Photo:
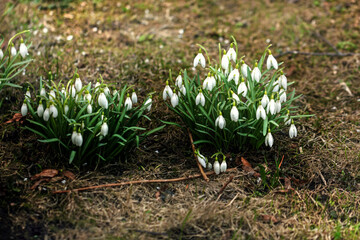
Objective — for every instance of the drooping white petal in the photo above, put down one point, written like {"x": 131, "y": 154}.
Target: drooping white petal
{"x": 167, "y": 93}
{"x": 256, "y": 74}
{"x": 216, "y": 167}
{"x": 13, "y": 51}
{"x": 73, "y": 137}
{"x": 43, "y": 92}
{"x": 53, "y": 111}
{"x": 178, "y": 81}
{"x": 292, "y": 131}
{"x": 1, "y": 54}
{"x": 271, "y": 62}
{"x": 234, "y": 114}
{"x": 277, "y": 106}
{"x": 234, "y": 75}
{"x": 223, "y": 166}
{"x": 89, "y": 108}
{"x": 235, "y": 97}
{"x": 46, "y": 115}
{"x": 265, "y": 100}
{"x": 225, "y": 62}
{"x": 174, "y": 100}
{"x": 202, "y": 159}
{"x": 24, "y": 109}
{"x": 269, "y": 140}
{"x": 128, "y": 103}
{"x": 102, "y": 100}
{"x": 242, "y": 89}
{"x": 104, "y": 129}
{"x": 23, "y": 50}
{"x": 232, "y": 54}
{"x": 66, "y": 109}
{"x": 148, "y": 101}
{"x": 271, "y": 107}
{"x": 220, "y": 122}
{"x": 244, "y": 70}
{"x": 78, "y": 84}
{"x": 282, "y": 95}
{"x": 40, "y": 110}
{"x": 260, "y": 112}
{"x": 199, "y": 59}
{"x": 283, "y": 81}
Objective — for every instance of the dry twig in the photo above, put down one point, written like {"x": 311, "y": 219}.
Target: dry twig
{"x": 196, "y": 159}
{"x": 225, "y": 185}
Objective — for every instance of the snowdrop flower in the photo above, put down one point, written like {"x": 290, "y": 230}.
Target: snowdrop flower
{"x": 282, "y": 95}
{"x": 148, "y": 101}
{"x": 183, "y": 90}
{"x": 242, "y": 89}
{"x": 46, "y": 115}
{"x": 271, "y": 61}
{"x": 72, "y": 91}
{"x": 178, "y": 81}
{"x": 223, "y": 166}
{"x": 220, "y": 121}
{"x": 276, "y": 86}
{"x": 292, "y": 130}
{"x": 283, "y": 80}
{"x": 235, "y": 97}
{"x": 13, "y": 50}
{"x": 232, "y": 53}
{"x": 73, "y": 135}
{"x": 234, "y": 75}
{"x": 106, "y": 90}
{"x": 63, "y": 91}
{"x": 200, "y": 98}
{"x": 66, "y": 109}
{"x": 52, "y": 94}
{"x": 265, "y": 100}
{"x": 78, "y": 139}
{"x": 128, "y": 103}
{"x": 174, "y": 99}
{"x": 134, "y": 98}
{"x": 260, "y": 112}
{"x": 97, "y": 85}
{"x": 225, "y": 61}
{"x": 216, "y": 167}
{"x": 199, "y": 59}
{"x": 1, "y": 54}
{"x": 28, "y": 94}
{"x": 40, "y": 109}
{"x": 244, "y": 69}
{"x": 287, "y": 119}
{"x": 89, "y": 108}
{"x": 167, "y": 93}
{"x": 43, "y": 92}
{"x": 102, "y": 100}
{"x": 24, "y": 109}
{"x": 23, "y": 49}
{"x": 269, "y": 140}
{"x": 88, "y": 96}
{"x": 104, "y": 129}
{"x": 78, "y": 83}
{"x": 234, "y": 113}
{"x": 53, "y": 111}
{"x": 277, "y": 105}
{"x": 209, "y": 82}
{"x": 209, "y": 166}
{"x": 256, "y": 74}
{"x": 202, "y": 159}
{"x": 271, "y": 107}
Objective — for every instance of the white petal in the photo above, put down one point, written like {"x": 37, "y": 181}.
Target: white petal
{"x": 216, "y": 167}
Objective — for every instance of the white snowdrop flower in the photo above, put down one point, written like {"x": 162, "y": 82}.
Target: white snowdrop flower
{"x": 276, "y": 86}
{"x": 72, "y": 91}
{"x": 206, "y": 82}
{"x": 202, "y": 159}
{"x": 235, "y": 97}
{"x": 208, "y": 166}
{"x": 66, "y": 109}
{"x": 225, "y": 61}
{"x": 287, "y": 119}
{"x": 269, "y": 140}
{"x": 220, "y": 121}
{"x": 216, "y": 167}
{"x": 292, "y": 130}
{"x": 134, "y": 97}
{"x": 88, "y": 96}
{"x": 73, "y": 136}
{"x": 40, "y": 109}
{"x": 23, "y": 49}
{"x": 212, "y": 83}
{"x": 24, "y": 109}
{"x": 89, "y": 108}
{"x": 242, "y": 89}
{"x": 78, "y": 139}
{"x": 183, "y": 90}
{"x": 174, "y": 99}
{"x": 234, "y": 75}
{"x": 97, "y": 85}
{"x": 278, "y": 105}
{"x": 199, "y": 59}
{"x": 178, "y": 81}
{"x": 128, "y": 103}
{"x": 200, "y": 99}
{"x": 223, "y": 166}
{"x": 265, "y": 100}
{"x": 52, "y": 94}
{"x": 102, "y": 100}
{"x": 106, "y": 90}
{"x": 78, "y": 84}
{"x": 232, "y": 53}
{"x": 13, "y": 50}
{"x": 271, "y": 61}
{"x": 104, "y": 129}
{"x": 28, "y": 94}
{"x": 46, "y": 115}
{"x": 1, "y": 54}
{"x": 43, "y": 92}
{"x": 282, "y": 95}
{"x": 53, "y": 111}
{"x": 271, "y": 106}
{"x": 244, "y": 69}
{"x": 63, "y": 91}
{"x": 148, "y": 101}
{"x": 283, "y": 81}
{"x": 256, "y": 74}
{"x": 234, "y": 114}
{"x": 260, "y": 112}
{"x": 167, "y": 93}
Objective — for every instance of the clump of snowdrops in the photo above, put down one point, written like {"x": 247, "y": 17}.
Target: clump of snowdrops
{"x": 13, "y": 61}
{"x": 87, "y": 123}
{"x": 238, "y": 104}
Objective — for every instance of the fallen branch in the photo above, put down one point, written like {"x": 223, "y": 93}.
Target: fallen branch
{"x": 196, "y": 159}
{"x": 141, "y": 181}
{"x": 225, "y": 185}
{"x": 328, "y": 54}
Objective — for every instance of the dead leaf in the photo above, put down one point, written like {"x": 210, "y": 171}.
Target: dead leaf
{"x": 37, "y": 183}
{"x": 69, "y": 175}
{"x": 247, "y": 168}
{"x": 46, "y": 173}
{"x": 16, "y": 118}
{"x": 245, "y": 162}
{"x": 157, "y": 195}
{"x": 269, "y": 218}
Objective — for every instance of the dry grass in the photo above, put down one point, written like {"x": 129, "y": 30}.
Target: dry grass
{"x": 138, "y": 47}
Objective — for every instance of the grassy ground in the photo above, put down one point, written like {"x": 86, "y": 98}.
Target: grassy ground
{"x": 138, "y": 42}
